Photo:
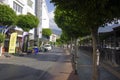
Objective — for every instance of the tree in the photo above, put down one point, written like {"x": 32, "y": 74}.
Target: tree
{"x": 69, "y": 23}
{"x": 27, "y": 22}
{"x": 71, "y": 29}
{"x": 92, "y": 14}
{"x": 7, "y": 16}
{"x": 46, "y": 32}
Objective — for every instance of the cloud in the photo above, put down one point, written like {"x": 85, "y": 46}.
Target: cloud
{"x": 53, "y": 25}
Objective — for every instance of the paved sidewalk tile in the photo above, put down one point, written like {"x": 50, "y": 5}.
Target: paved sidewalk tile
{"x": 85, "y": 69}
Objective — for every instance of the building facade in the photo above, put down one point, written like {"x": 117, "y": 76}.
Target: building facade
{"x": 42, "y": 14}
{"x": 20, "y": 7}
{"x": 45, "y": 17}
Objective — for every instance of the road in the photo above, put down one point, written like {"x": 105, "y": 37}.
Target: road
{"x": 43, "y": 66}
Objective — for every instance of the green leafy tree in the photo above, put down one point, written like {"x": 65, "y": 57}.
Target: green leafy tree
{"x": 27, "y": 22}
{"x": 59, "y": 42}
{"x": 92, "y": 14}
{"x": 46, "y": 32}
{"x": 7, "y": 16}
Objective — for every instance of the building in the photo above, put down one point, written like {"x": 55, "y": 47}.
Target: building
{"x": 45, "y": 17}
{"x": 20, "y": 7}
{"x": 42, "y": 14}
{"x": 53, "y": 38}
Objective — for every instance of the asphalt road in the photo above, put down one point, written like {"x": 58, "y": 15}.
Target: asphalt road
{"x": 32, "y": 67}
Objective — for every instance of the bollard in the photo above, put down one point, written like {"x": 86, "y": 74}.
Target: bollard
{"x": 98, "y": 57}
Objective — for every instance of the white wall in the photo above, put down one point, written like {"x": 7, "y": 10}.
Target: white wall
{"x": 45, "y": 18}
{"x": 53, "y": 38}
{"x": 23, "y": 4}
{"x": 25, "y": 8}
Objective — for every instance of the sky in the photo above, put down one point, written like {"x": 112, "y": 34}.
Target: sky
{"x": 51, "y": 9}
{"x": 50, "y": 6}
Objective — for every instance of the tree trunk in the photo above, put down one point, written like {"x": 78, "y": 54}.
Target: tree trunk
{"x": 94, "y": 38}
{"x": 76, "y": 51}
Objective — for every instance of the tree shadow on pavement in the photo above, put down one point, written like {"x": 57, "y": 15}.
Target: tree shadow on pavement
{"x": 20, "y": 72}
{"x": 54, "y": 57}
{"x": 73, "y": 76}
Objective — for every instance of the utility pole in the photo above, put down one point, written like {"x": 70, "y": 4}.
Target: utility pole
{"x": 38, "y": 30}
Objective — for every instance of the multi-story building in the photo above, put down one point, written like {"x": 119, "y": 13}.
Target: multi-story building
{"x": 45, "y": 18}
{"x": 21, "y": 7}
{"x": 29, "y": 6}
{"x": 42, "y": 14}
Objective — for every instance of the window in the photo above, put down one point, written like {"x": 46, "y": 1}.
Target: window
{"x": 17, "y": 7}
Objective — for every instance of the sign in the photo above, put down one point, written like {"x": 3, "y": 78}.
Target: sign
{"x": 12, "y": 43}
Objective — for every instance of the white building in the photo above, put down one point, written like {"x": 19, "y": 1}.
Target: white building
{"x": 54, "y": 37}
{"x": 28, "y": 6}
{"x": 45, "y": 17}
{"x": 21, "y": 7}
{"x": 42, "y": 14}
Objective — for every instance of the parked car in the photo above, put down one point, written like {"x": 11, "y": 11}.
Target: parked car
{"x": 48, "y": 47}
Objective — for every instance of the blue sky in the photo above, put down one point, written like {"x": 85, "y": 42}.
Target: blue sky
{"x": 50, "y": 6}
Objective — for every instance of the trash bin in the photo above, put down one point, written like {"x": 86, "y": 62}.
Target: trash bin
{"x": 36, "y": 50}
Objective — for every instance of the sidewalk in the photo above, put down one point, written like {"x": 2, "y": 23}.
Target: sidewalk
{"x": 66, "y": 71}
{"x": 85, "y": 68}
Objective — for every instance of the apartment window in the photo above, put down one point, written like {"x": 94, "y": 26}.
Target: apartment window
{"x": 30, "y": 3}
{"x": 17, "y": 7}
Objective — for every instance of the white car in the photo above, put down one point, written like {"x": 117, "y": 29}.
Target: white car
{"x": 47, "y": 47}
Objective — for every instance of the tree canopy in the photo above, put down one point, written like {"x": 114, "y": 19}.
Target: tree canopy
{"x": 69, "y": 23}
{"x": 46, "y": 32}
{"x": 7, "y": 15}
{"x": 90, "y": 14}
{"x": 27, "y": 22}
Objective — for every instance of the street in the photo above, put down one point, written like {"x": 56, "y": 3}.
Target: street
{"x": 52, "y": 65}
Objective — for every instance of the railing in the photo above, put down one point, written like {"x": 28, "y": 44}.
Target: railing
{"x": 110, "y": 55}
